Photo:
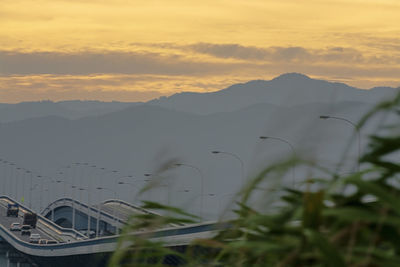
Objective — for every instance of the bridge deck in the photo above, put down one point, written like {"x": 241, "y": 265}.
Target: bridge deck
{"x": 172, "y": 236}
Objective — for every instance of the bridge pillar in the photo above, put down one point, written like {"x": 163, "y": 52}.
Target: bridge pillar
{"x": 73, "y": 215}
{"x": 16, "y": 259}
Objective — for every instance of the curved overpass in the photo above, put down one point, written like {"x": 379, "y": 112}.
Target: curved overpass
{"x": 71, "y": 213}
{"x": 74, "y": 243}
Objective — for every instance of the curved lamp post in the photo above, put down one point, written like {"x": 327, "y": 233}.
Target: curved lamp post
{"x": 51, "y": 180}
{"x": 220, "y": 198}
{"x": 73, "y": 206}
{"x": 168, "y": 185}
{"x": 30, "y": 188}
{"x": 291, "y": 147}
{"x": 16, "y": 181}
{"x": 72, "y": 197}
{"x": 132, "y": 185}
{"x": 99, "y": 209}
{"x": 236, "y": 157}
{"x": 202, "y": 183}
{"x": 89, "y": 210}
{"x": 326, "y": 117}
{"x": 118, "y": 179}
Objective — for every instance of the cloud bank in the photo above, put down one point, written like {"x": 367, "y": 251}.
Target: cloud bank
{"x": 152, "y": 70}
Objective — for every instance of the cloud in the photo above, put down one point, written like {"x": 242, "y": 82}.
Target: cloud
{"x": 200, "y": 59}
{"x": 152, "y": 70}
{"x": 281, "y": 54}
{"x": 106, "y": 87}
{"x": 229, "y": 50}
{"x": 85, "y": 63}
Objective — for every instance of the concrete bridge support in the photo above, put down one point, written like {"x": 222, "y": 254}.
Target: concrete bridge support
{"x": 12, "y": 258}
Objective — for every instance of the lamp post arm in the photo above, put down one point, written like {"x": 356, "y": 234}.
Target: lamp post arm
{"x": 357, "y": 130}
{"x": 241, "y": 163}
{"x": 202, "y": 184}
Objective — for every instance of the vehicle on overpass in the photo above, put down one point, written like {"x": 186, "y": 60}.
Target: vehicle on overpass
{"x": 16, "y": 226}
{"x": 30, "y": 219}
{"x": 25, "y": 229}
{"x": 34, "y": 238}
{"x": 12, "y": 210}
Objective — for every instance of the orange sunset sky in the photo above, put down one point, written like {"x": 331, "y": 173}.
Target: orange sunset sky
{"x": 140, "y": 49}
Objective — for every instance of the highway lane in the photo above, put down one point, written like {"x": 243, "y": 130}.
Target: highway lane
{"x": 117, "y": 210}
{"x": 174, "y": 235}
{"x": 6, "y": 222}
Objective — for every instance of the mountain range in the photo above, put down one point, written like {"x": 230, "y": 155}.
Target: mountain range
{"x": 138, "y": 138}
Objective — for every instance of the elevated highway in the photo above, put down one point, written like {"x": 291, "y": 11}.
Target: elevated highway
{"x": 72, "y": 242}
{"x": 111, "y": 214}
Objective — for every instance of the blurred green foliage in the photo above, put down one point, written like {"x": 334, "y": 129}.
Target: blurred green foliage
{"x": 351, "y": 220}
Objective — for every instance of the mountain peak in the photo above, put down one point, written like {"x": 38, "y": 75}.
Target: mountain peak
{"x": 291, "y": 76}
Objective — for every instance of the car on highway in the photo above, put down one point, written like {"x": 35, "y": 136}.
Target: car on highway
{"x": 34, "y": 238}
{"x": 15, "y": 226}
{"x": 25, "y": 229}
{"x": 12, "y": 210}
{"x": 42, "y": 242}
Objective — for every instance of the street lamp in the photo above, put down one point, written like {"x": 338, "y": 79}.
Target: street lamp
{"x": 16, "y": 182}
{"x": 73, "y": 205}
{"x": 99, "y": 209}
{"x": 132, "y": 185}
{"x": 4, "y": 175}
{"x": 105, "y": 171}
{"x": 30, "y": 187}
{"x": 202, "y": 183}
{"x": 325, "y": 117}
{"x": 11, "y": 176}
{"x": 63, "y": 172}
{"x": 49, "y": 192}
{"x": 236, "y": 157}
{"x": 89, "y": 209}
{"x": 291, "y": 147}
{"x": 72, "y": 197}
{"x": 222, "y": 198}
{"x": 117, "y": 180}
{"x": 168, "y": 185}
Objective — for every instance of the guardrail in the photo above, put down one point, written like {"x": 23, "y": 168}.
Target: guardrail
{"x": 63, "y": 231}
{"x": 83, "y": 208}
{"x": 172, "y": 236}
{"x": 59, "y": 202}
{"x": 121, "y": 202}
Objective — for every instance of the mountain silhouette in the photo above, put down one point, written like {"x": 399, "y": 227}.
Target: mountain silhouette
{"x": 286, "y": 90}
{"x": 138, "y": 138}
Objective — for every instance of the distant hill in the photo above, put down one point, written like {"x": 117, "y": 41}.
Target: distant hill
{"x": 286, "y": 90}
{"x": 67, "y": 109}
{"x": 289, "y": 89}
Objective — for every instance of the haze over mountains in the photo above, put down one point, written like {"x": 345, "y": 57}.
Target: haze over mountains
{"x": 286, "y": 90}
{"x": 136, "y": 138}
{"x": 66, "y": 109}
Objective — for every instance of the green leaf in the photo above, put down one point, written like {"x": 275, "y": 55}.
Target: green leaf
{"x": 375, "y": 189}
{"x": 331, "y": 256}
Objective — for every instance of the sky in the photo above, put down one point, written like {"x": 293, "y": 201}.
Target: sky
{"x": 136, "y": 50}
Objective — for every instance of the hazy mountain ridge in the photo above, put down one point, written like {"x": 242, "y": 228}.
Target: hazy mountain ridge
{"x": 67, "y": 109}
{"x": 286, "y": 90}
{"x": 137, "y": 139}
